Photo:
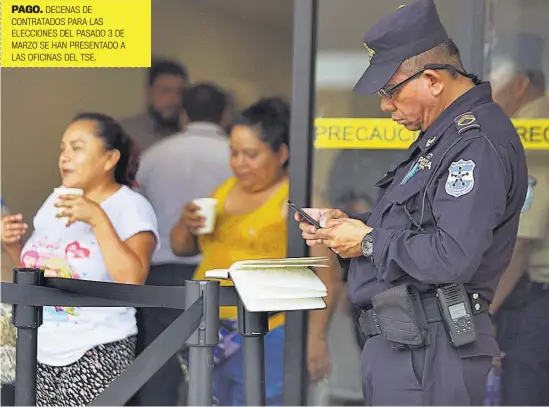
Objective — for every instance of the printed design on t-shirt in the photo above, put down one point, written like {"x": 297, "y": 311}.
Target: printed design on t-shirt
{"x": 46, "y": 256}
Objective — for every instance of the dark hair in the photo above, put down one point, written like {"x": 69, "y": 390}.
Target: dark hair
{"x": 204, "y": 102}
{"x": 115, "y": 138}
{"x": 166, "y": 67}
{"x": 537, "y": 79}
{"x": 272, "y": 117}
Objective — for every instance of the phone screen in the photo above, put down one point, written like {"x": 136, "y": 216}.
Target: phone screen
{"x": 305, "y": 216}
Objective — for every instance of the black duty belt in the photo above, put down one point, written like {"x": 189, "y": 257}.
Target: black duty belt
{"x": 370, "y": 327}
{"x": 539, "y": 286}
{"x": 528, "y": 284}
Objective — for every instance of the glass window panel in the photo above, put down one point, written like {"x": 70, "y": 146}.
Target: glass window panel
{"x": 517, "y": 62}
{"x": 345, "y": 177}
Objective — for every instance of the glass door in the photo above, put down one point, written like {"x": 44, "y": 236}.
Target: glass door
{"x": 342, "y": 143}
{"x": 356, "y": 143}
{"x": 516, "y": 61}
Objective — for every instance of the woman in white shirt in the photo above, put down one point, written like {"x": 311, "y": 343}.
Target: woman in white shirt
{"x": 107, "y": 234}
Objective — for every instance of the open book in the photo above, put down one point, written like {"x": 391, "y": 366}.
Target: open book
{"x": 277, "y": 284}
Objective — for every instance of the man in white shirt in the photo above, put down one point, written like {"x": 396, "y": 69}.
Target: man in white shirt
{"x": 174, "y": 171}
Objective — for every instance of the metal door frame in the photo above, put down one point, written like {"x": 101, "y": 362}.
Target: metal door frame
{"x": 301, "y": 147}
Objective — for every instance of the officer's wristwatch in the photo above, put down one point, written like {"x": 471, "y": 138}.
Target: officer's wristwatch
{"x": 367, "y": 245}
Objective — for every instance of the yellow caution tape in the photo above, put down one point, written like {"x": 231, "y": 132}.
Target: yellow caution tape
{"x": 534, "y": 133}
{"x": 385, "y": 134}
{"x": 340, "y": 133}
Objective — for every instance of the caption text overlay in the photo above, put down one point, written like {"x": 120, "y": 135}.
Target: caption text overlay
{"x": 76, "y": 33}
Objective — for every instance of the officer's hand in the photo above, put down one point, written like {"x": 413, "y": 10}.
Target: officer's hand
{"x": 321, "y": 216}
{"x": 496, "y": 360}
{"x": 344, "y": 236}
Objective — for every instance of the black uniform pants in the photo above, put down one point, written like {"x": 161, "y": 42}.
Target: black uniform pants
{"x": 523, "y": 332}
{"x": 164, "y": 387}
{"x": 436, "y": 374}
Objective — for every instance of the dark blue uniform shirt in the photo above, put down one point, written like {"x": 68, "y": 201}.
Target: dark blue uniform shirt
{"x": 450, "y": 212}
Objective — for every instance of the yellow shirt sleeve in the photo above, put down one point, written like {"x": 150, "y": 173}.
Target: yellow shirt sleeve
{"x": 534, "y": 219}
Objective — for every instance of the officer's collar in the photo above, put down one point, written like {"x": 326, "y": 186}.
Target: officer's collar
{"x": 478, "y": 95}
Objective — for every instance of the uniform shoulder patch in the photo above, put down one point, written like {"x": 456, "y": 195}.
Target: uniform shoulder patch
{"x": 461, "y": 179}
{"x": 466, "y": 121}
{"x": 529, "y": 194}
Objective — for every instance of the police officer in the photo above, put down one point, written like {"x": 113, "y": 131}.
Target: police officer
{"x": 446, "y": 218}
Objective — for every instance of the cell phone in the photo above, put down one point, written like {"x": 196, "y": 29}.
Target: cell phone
{"x": 305, "y": 215}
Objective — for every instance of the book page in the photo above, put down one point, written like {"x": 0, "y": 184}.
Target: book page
{"x": 291, "y": 261}
{"x": 293, "y": 304}
{"x": 276, "y": 284}
{"x": 275, "y": 266}
{"x": 218, "y": 273}
{"x": 297, "y": 277}
{"x": 253, "y": 290}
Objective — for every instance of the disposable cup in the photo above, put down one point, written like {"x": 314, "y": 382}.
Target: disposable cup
{"x": 207, "y": 210}
{"x": 66, "y": 191}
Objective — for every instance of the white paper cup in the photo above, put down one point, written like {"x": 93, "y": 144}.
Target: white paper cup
{"x": 66, "y": 191}
{"x": 207, "y": 210}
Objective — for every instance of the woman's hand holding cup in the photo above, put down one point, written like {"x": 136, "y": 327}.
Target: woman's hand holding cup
{"x": 191, "y": 218}
{"x": 199, "y": 216}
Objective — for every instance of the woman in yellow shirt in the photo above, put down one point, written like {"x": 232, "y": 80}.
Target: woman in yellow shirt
{"x": 251, "y": 223}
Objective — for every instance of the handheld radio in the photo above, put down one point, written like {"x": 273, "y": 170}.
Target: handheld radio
{"x": 457, "y": 316}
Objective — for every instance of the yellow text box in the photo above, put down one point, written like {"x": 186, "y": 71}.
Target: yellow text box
{"x": 76, "y": 33}
{"x": 385, "y": 134}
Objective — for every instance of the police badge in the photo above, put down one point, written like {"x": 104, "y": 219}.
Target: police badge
{"x": 460, "y": 179}
{"x": 371, "y": 52}
{"x": 529, "y": 194}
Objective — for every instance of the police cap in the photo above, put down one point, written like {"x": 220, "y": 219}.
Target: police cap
{"x": 405, "y": 33}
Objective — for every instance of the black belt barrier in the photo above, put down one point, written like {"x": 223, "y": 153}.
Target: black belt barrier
{"x": 197, "y": 327}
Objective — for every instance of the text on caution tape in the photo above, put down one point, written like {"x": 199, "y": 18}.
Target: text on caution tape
{"x": 385, "y": 134}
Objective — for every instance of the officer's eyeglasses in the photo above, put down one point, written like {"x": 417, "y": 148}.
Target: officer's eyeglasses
{"x": 388, "y": 93}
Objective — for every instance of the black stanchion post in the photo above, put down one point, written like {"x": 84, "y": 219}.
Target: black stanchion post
{"x": 253, "y": 326}
{"x": 26, "y": 319}
{"x": 202, "y": 342}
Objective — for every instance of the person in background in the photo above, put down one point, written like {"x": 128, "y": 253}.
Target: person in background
{"x": 351, "y": 188}
{"x": 251, "y": 223}
{"x": 517, "y": 76}
{"x": 107, "y": 234}
{"x": 232, "y": 111}
{"x": 521, "y": 301}
{"x": 166, "y": 81}
{"x": 174, "y": 171}
{"x": 353, "y": 175}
